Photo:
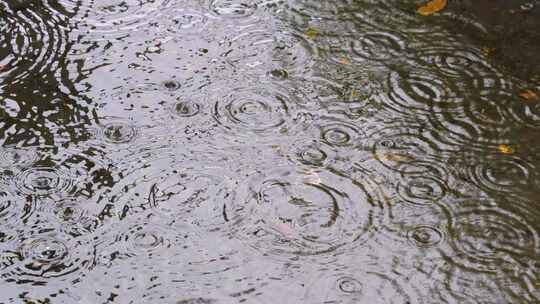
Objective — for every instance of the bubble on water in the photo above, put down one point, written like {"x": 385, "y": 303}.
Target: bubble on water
{"x": 278, "y": 74}
{"x": 116, "y": 131}
{"x": 186, "y": 108}
{"x": 349, "y": 285}
{"x": 233, "y": 8}
{"x": 425, "y": 236}
{"x": 170, "y": 85}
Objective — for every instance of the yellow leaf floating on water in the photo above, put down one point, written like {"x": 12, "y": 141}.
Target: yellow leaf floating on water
{"x": 506, "y": 149}
{"x": 312, "y": 33}
{"x": 344, "y": 61}
{"x": 488, "y": 51}
{"x": 431, "y": 7}
{"x": 528, "y": 95}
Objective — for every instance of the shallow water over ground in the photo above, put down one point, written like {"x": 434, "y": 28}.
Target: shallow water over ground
{"x": 295, "y": 151}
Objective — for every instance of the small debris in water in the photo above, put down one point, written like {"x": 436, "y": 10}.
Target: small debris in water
{"x": 431, "y": 7}
{"x": 528, "y": 95}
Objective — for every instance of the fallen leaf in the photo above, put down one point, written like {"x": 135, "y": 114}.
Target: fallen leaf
{"x": 528, "y": 95}
{"x": 488, "y": 51}
{"x": 431, "y": 7}
{"x": 312, "y": 33}
{"x": 344, "y": 61}
{"x": 506, "y": 149}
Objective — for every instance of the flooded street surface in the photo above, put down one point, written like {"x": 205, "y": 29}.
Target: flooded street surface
{"x": 294, "y": 151}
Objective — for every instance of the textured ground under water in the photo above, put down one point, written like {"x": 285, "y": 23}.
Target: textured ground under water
{"x": 294, "y": 151}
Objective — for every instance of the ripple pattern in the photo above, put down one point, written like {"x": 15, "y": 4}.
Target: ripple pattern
{"x": 13, "y": 158}
{"x": 50, "y": 257}
{"x": 304, "y": 213}
{"x": 489, "y": 238}
{"x": 116, "y": 131}
{"x": 255, "y": 110}
{"x": 43, "y": 181}
{"x": 32, "y": 40}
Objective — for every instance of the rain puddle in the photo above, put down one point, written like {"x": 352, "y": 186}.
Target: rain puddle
{"x": 292, "y": 151}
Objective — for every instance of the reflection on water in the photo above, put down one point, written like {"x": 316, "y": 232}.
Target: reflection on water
{"x": 229, "y": 151}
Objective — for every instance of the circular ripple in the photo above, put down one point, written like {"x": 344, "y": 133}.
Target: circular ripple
{"x": 145, "y": 235}
{"x": 186, "y": 108}
{"x": 303, "y": 213}
{"x": 378, "y": 46}
{"x": 488, "y": 237}
{"x": 181, "y": 21}
{"x": 117, "y": 18}
{"x": 279, "y": 52}
{"x": 258, "y": 110}
{"x": 502, "y": 174}
{"x": 410, "y": 150}
{"x": 425, "y": 236}
{"x": 341, "y": 134}
{"x": 422, "y": 91}
{"x": 362, "y": 286}
{"x": 32, "y": 39}
{"x": 233, "y": 8}
{"x": 349, "y": 285}
{"x": 73, "y": 214}
{"x": 44, "y": 250}
{"x": 422, "y": 190}
{"x": 116, "y": 131}
{"x": 42, "y": 257}
{"x": 13, "y": 157}
{"x": 137, "y": 239}
{"x": 43, "y": 181}
{"x": 313, "y": 153}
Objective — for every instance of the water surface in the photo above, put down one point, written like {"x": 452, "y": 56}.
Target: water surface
{"x": 294, "y": 151}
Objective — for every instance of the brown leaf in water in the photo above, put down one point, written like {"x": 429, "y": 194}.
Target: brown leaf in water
{"x": 344, "y": 61}
{"x": 431, "y": 7}
{"x": 488, "y": 51}
{"x": 528, "y": 95}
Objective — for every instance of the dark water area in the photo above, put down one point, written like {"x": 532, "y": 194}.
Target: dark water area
{"x": 295, "y": 151}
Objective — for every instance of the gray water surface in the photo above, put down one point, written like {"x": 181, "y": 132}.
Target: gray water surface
{"x": 294, "y": 151}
